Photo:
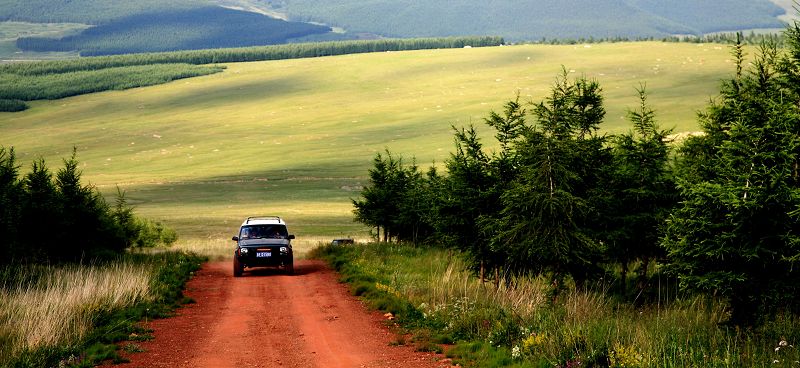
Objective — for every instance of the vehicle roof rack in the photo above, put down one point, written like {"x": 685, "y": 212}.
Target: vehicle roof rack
{"x": 262, "y": 218}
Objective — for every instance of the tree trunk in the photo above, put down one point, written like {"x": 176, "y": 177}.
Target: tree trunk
{"x": 483, "y": 272}
{"x": 624, "y": 277}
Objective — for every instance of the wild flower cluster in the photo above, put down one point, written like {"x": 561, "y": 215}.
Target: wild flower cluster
{"x": 626, "y": 356}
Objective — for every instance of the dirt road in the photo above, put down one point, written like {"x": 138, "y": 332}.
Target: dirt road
{"x": 268, "y": 319}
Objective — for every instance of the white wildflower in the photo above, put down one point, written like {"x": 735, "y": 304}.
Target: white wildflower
{"x": 515, "y": 353}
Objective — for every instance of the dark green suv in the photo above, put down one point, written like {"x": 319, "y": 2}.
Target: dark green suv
{"x": 263, "y": 242}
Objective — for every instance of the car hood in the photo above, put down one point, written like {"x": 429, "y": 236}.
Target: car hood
{"x": 264, "y": 241}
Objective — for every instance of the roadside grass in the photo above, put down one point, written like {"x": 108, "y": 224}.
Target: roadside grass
{"x": 75, "y": 314}
{"x": 296, "y": 137}
{"x": 524, "y": 324}
{"x": 218, "y": 248}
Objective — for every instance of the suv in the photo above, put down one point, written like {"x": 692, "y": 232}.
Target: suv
{"x": 263, "y": 242}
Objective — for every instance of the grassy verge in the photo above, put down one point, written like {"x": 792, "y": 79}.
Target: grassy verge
{"x": 524, "y": 324}
{"x": 73, "y": 315}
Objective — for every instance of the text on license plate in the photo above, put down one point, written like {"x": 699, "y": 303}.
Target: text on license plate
{"x": 263, "y": 254}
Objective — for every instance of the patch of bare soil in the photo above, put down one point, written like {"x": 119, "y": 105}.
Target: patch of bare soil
{"x": 268, "y": 319}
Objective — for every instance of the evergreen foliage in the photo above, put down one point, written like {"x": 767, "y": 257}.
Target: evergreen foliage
{"x": 59, "y": 85}
{"x": 7, "y": 105}
{"x": 245, "y": 54}
{"x": 395, "y": 200}
{"x": 545, "y": 220}
{"x": 736, "y": 232}
{"x": 640, "y": 191}
{"x": 46, "y": 217}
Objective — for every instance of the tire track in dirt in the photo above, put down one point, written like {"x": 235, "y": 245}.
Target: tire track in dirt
{"x": 268, "y": 319}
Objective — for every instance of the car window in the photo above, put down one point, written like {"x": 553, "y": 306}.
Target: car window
{"x": 263, "y": 231}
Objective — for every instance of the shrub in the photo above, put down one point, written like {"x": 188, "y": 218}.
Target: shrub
{"x": 7, "y": 105}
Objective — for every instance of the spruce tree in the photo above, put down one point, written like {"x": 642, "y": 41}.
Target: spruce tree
{"x": 640, "y": 191}
{"x": 545, "y": 219}
{"x": 736, "y": 230}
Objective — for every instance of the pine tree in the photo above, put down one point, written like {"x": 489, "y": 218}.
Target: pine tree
{"x": 10, "y": 196}
{"x": 544, "y": 222}
{"x": 641, "y": 191}
{"x": 737, "y": 227}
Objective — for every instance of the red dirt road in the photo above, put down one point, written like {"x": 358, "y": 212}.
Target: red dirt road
{"x": 268, "y": 319}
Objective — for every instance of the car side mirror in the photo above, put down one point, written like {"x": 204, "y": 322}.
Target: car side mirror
{"x": 235, "y": 238}
{"x": 291, "y": 236}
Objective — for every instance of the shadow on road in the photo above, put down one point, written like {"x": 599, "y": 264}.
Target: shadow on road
{"x": 299, "y": 270}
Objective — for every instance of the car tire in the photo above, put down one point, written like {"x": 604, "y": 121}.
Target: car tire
{"x": 290, "y": 267}
{"x": 238, "y": 269}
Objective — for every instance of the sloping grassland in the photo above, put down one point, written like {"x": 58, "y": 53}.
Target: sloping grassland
{"x": 296, "y": 137}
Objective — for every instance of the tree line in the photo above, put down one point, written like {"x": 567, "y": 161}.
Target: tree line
{"x": 245, "y": 54}
{"x": 718, "y": 211}
{"x": 21, "y": 82}
{"x": 53, "y": 217}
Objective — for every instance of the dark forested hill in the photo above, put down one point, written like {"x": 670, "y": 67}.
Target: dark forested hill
{"x": 125, "y": 26}
{"x": 535, "y": 19}
{"x": 86, "y": 11}
{"x": 130, "y": 26}
{"x": 187, "y": 29}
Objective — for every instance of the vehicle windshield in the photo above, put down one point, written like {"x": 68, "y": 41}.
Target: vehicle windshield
{"x": 263, "y": 231}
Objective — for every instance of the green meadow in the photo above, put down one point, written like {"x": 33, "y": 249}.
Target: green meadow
{"x": 295, "y": 138}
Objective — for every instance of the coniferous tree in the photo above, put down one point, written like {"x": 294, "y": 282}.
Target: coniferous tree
{"x": 736, "y": 229}
{"x": 641, "y": 191}
{"x": 10, "y": 195}
{"x": 544, "y": 219}
{"x": 466, "y": 198}
{"x": 41, "y": 208}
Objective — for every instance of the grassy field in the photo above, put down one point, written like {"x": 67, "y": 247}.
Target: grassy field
{"x": 296, "y": 137}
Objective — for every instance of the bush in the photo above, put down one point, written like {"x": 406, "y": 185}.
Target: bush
{"x": 7, "y": 105}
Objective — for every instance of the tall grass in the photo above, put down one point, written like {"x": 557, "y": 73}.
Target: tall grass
{"x": 523, "y": 322}
{"x": 49, "y": 306}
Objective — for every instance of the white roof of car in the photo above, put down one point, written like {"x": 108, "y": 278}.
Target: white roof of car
{"x": 263, "y": 220}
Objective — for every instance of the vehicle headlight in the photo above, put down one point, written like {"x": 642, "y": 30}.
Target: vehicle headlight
{"x": 242, "y": 250}
{"x": 284, "y": 250}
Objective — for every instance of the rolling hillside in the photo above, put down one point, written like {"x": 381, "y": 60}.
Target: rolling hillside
{"x": 149, "y": 25}
{"x": 189, "y": 29}
{"x": 533, "y": 20}
{"x": 296, "y": 137}
{"x": 122, "y": 27}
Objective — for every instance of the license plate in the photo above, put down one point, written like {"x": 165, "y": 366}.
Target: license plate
{"x": 263, "y": 254}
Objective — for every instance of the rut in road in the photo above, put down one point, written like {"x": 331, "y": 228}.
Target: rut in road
{"x": 268, "y": 319}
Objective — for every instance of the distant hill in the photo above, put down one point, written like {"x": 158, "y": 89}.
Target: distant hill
{"x": 171, "y": 30}
{"x": 535, "y": 19}
{"x": 125, "y": 26}
{"x": 132, "y": 26}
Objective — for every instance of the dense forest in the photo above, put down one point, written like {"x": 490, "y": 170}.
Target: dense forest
{"x": 86, "y": 11}
{"x": 193, "y": 29}
{"x": 718, "y": 211}
{"x": 532, "y": 20}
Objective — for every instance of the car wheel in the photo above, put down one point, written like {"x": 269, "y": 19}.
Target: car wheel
{"x": 290, "y": 267}
{"x": 238, "y": 269}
